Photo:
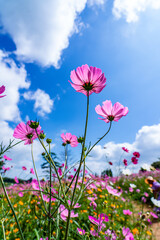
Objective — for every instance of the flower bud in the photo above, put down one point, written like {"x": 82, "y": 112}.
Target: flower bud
{"x": 42, "y": 135}
{"x": 80, "y": 139}
{"x": 34, "y": 124}
{"x": 48, "y": 140}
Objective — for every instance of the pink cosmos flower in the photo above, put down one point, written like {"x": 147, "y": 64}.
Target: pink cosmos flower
{"x": 138, "y": 190}
{"x": 146, "y": 194}
{"x": 68, "y": 138}
{"x": 131, "y": 189}
{"x": 6, "y": 169}
{"x": 32, "y": 171}
{"x": 60, "y": 171}
{"x": 144, "y": 199}
{"x": 127, "y": 212}
{"x": 7, "y": 158}
{"x": 20, "y": 194}
{"x": 64, "y": 213}
{"x": 2, "y": 89}
{"x": 127, "y": 234}
{"x": 25, "y": 132}
{"x": 99, "y": 222}
{"x": 134, "y": 160}
{"x": 113, "y": 191}
{"x": 125, "y": 162}
{"x": 16, "y": 180}
{"x": 125, "y": 149}
{"x": 88, "y": 79}
{"x": 136, "y": 154}
{"x": 24, "y": 168}
{"x": 80, "y": 231}
{"x": 110, "y": 113}
{"x": 153, "y": 215}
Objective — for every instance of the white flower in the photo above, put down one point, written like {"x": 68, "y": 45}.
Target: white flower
{"x": 155, "y": 202}
{"x": 146, "y": 167}
{"x": 126, "y": 172}
{"x": 132, "y": 185}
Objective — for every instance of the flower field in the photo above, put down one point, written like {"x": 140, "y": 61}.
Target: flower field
{"x": 75, "y": 204}
{"x": 105, "y": 211}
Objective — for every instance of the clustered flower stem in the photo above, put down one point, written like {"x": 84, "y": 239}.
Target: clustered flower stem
{"x": 10, "y": 204}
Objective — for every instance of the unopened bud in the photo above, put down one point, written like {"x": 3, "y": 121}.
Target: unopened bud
{"x": 34, "y": 124}
{"x": 42, "y": 135}
{"x": 48, "y": 140}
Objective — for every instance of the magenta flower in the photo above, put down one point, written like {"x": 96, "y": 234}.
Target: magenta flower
{"x": 146, "y": 194}
{"x": 125, "y": 162}
{"x": 125, "y": 149}
{"x": 127, "y": 212}
{"x": 69, "y": 139}
{"x": 24, "y": 168}
{"x": 6, "y": 169}
{"x": 99, "y": 222}
{"x": 64, "y": 213}
{"x": 138, "y": 190}
{"x": 144, "y": 199}
{"x": 131, "y": 189}
{"x": 80, "y": 231}
{"x": 127, "y": 234}
{"x": 88, "y": 79}
{"x": 2, "y": 89}
{"x": 110, "y": 113}
{"x": 60, "y": 171}
{"x": 20, "y": 194}
{"x": 134, "y": 160}
{"x": 16, "y": 180}
{"x": 136, "y": 154}
{"x": 31, "y": 171}
{"x": 113, "y": 191}
{"x": 25, "y": 132}
{"x": 153, "y": 215}
{"x": 7, "y": 158}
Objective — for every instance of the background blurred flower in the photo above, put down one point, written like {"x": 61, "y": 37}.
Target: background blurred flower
{"x": 68, "y": 138}
{"x": 2, "y": 89}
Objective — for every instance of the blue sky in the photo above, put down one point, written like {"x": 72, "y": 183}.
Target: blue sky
{"x": 41, "y": 43}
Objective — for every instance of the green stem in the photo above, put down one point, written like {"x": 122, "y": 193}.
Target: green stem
{"x": 3, "y": 230}
{"x": 10, "y": 204}
{"x": 99, "y": 140}
{"x": 55, "y": 169}
{"x": 37, "y": 178}
{"x": 78, "y": 171}
{"x": 49, "y": 210}
{"x": 9, "y": 147}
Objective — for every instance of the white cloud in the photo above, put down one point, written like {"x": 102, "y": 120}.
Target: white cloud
{"x": 147, "y": 142}
{"x": 41, "y": 29}
{"x": 13, "y": 78}
{"x": 131, "y": 9}
{"x": 96, "y": 2}
{"x": 43, "y": 103}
